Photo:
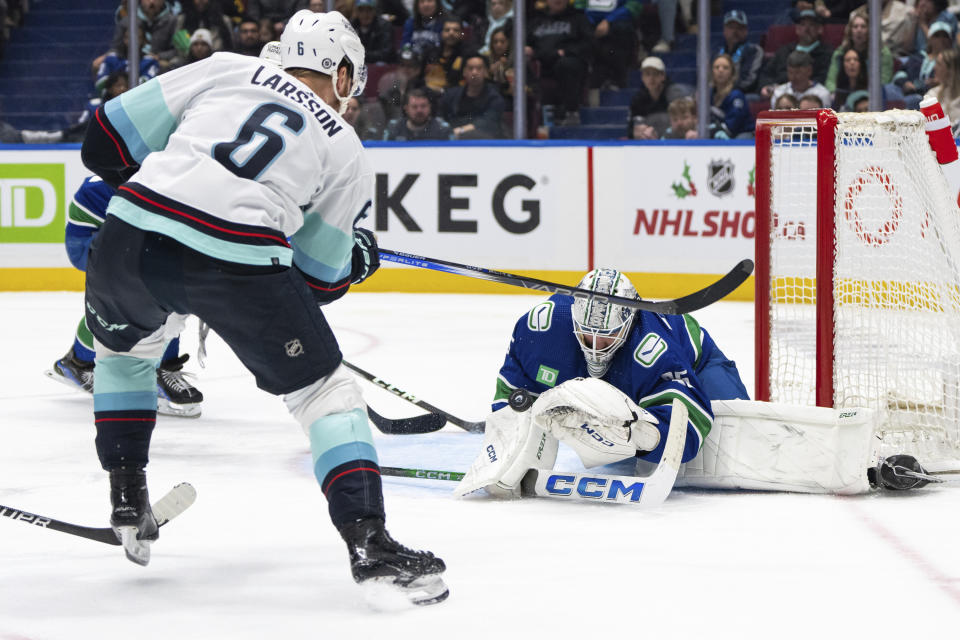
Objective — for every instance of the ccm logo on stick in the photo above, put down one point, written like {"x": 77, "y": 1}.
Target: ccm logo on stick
{"x": 606, "y": 489}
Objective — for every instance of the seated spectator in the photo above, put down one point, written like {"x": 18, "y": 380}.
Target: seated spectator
{"x": 853, "y": 78}
{"x": 499, "y": 15}
{"x": 836, "y": 11}
{"x": 201, "y": 46}
{"x": 248, "y": 41}
{"x": 800, "y": 79}
{"x": 810, "y": 101}
{"x": 895, "y": 26}
{"x": 110, "y": 86}
{"x": 116, "y": 61}
{"x": 809, "y": 27}
{"x": 446, "y": 69}
{"x": 650, "y": 127}
{"x": 375, "y": 33}
{"x": 317, "y": 6}
{"x": 683, "y": 120}
{"x": 346, "y": 8}
{"x": 417, "y": 122}
{"x": 393, "y": 86}
{"x": 207, "y": 14}
{"x": 728, "y": 103}
{"x": 394, "y": 12}
{"x": 924, "y": 14}
{"x": 856, "y": 36}
{"x": 474, "y": 109}
{"x": 501, "y": 66}
{"x": 857, "y": 102}
{"x": 946, "y": 74}
{"x": 615, "y": 39}
{"x": 561, "y": 40}
{"x": 915, "y": 78}
{"x": 159, "y": 26}
{"x": 786, "y": 102}
{"x": 421, "y": 33}
{"x": 356, "y": 117}
{"x": 272, "y": 15}
{"x": 746, "y": 56}
{"x": 651, "y": 96}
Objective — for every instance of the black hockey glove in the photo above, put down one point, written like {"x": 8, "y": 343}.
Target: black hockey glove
{"x": 366, "y": 255}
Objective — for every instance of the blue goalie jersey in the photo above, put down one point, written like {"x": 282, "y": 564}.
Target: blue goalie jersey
{"x": 665, "y": 357}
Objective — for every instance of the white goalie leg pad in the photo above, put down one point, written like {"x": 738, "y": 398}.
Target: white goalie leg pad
{"x": 777, "y": 447}
{"x": 511, "y": 447}
{"x": 597, "y": 420}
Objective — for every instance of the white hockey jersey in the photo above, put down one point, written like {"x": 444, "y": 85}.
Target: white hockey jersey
{"x": 244, "y": 163}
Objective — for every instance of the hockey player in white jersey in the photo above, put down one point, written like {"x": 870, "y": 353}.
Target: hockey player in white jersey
{"x": 239, "y": 193}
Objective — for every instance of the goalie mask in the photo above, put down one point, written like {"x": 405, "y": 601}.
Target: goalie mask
{"x": 601, "y": 326}
{"x": 323, "y": 42}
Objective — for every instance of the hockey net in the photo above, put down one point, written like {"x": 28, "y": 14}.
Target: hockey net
{"x": 858, "y": 286}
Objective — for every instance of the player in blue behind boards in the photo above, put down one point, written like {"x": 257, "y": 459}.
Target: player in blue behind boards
{"x": 648, "y": 359}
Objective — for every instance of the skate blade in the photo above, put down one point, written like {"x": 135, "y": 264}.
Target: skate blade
{"x": 138, "y": 551}
{"x": 386, "y": 595}
{"x": 167, "y": 408}
{"x": 62, "y": 379}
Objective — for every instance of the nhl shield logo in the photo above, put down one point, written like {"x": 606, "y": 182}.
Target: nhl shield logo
{"x": 293, "y": 348}
{"x": 720, "y": 177}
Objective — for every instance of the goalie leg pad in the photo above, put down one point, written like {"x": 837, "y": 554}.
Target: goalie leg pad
{"x": 511, "y": 447}
{"x": 597, "y": 420}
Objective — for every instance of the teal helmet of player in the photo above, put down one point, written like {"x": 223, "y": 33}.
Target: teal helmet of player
{"x": 324, "y": 42}
{"x": 601, "y": 326}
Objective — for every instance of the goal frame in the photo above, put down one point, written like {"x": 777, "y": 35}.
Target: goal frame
{"x": 826, "y": 124}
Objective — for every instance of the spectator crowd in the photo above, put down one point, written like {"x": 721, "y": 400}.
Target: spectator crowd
{"x": 444, "y": 69}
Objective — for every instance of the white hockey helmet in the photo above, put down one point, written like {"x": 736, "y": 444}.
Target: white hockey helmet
{"x": 271, "y": 52}
{"x": 323, "y": 42}
{"x": 599, "y": 318}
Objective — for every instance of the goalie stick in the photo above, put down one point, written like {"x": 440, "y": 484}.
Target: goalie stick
{"x": 165, "y": 509}
{"x": 432, "y": 421}
{"x": 685, "y": 304}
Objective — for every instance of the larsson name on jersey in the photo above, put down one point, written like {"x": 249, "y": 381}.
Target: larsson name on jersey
{"x": 299, "y": 96}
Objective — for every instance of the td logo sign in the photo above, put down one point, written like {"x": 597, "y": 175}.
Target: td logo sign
{"x": 32, "y": 202}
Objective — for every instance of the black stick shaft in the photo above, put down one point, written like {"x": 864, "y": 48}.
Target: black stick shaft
{"x": 472, "y": 427}
{"x": 685, "y": 304}
{"x": 104, "y": 534}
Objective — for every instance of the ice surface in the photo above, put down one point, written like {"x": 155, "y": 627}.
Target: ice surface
{"x": 256, "y": 556}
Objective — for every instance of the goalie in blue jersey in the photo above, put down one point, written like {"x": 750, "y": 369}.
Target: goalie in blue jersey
{"x": 601, "y": 378}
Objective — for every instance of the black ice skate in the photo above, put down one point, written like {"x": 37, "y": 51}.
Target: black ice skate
{"x": 375, "y": 557}
{"x": 175, "y": 395}
{"x": 132, "y": 517}
{"x": 72, "y": 372}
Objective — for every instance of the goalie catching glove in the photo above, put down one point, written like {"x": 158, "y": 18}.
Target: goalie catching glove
{"x": 597, "y": 420}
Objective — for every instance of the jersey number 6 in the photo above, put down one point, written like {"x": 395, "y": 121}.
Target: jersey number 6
{"x": 269, "y": 145}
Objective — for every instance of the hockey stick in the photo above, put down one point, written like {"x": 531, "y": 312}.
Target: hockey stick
{"x": 417, "y": 424}
{"x": 427, "y": 423}
{"x": 685, "y": 304}
{"x": 427, "y": 474}
{"x": 165, "y": 509}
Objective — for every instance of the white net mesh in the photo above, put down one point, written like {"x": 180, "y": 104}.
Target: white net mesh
{"x": 896, "y": 282}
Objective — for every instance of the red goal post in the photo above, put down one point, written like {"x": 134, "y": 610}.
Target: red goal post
{"x": 857, "y": 278}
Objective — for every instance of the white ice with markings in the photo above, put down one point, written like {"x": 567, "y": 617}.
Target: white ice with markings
{"x": 256, "y": 556}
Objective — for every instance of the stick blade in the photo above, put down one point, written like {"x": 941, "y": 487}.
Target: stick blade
{"x": 426, "y": 423}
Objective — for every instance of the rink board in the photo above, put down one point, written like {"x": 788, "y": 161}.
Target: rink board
{"x": 674, "y": 217}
